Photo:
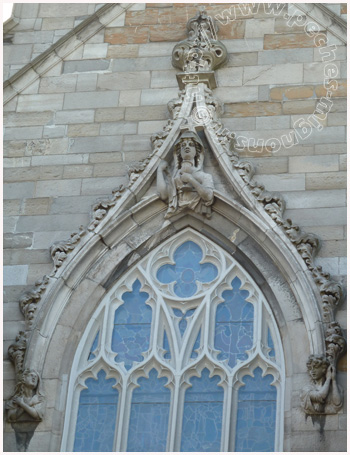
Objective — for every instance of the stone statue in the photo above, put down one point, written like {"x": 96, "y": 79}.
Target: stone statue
{"x": 323, "y": 395}
{"x": 25, "y": 408}
{"x": 188, "y": 187}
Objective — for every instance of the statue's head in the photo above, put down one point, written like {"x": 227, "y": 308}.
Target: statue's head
{"x": 189, "y": 146}
{"x": 30, "y": 378}
{"x": 317, "y": 366}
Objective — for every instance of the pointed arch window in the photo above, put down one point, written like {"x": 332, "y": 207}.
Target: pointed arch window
{"x": 183, "y": 354}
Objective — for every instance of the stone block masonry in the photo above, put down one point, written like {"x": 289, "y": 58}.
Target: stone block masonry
{"x": 71, "y": 134}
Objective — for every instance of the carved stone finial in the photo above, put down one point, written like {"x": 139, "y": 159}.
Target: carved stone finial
{"x": 323, "y": 395}
{"x": 187, "y": 186}
{"x": 201, "y": 51}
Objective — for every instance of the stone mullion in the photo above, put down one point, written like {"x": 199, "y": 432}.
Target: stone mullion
{"x": 226, "y": 420}
{"x": 174, "y": 417}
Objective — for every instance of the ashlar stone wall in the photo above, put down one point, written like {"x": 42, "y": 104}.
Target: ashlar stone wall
{"x": 72, "y": 132}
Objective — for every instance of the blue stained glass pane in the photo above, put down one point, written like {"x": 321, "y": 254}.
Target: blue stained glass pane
{"x": 96, "y": 421}
{"x": 149, "y": 415}
{"x": 94, "y": 347}
{"x": 187, "y": 270}
{"x": 234, "y": 325}
{"x": 256, "y": 414}
{"x": 270, "y": 344}
{"x": 184, "y": 316}
{"x": 166, "y": 347}
{"x": 196, "y": 346}
{"x": 132, "y": 327}
{"x": 202, "y": 416}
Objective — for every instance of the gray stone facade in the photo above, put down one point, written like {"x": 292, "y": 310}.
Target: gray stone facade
{"x": 86, "y": 88}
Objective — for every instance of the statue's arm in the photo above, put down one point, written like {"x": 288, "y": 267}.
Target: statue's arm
{"x": 321, "y": 394}
{"x": 162, "y": 186}
{"x": 335, "y": 397}
{"x": 204, "y": 187}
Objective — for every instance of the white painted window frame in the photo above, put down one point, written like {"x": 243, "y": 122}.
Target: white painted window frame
{"x": 180, "y": 368}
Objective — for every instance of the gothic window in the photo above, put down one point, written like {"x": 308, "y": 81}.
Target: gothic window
{"x": 183, "y": 354}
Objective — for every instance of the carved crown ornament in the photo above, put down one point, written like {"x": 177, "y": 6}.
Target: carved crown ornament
{"x": 183, "y": 184}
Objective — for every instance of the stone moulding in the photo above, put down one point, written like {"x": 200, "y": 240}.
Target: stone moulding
{"x": 323, "y": 295}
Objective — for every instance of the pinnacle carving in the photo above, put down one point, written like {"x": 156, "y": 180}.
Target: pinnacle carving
{"x": 201, "y": 51}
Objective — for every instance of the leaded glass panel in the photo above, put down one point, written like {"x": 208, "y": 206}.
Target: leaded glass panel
{"x": 186, "y": 309}
{"x": 97, "y": 414}
{"x": 202, "y": 415}
{"x": 149, "y": 415}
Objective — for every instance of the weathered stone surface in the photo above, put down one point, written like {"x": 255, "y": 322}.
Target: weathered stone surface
{"x": 149, "y": 112}
{"x": 110, "y": 157}
{"x": 95, "y": 50}
{"x": 21, "y": 119}
{"x": 68, "y": 204}
{"x": 77, "y": 171}
{"x": 40, "y": 103}
{"x": 15, "y": 275}
{"x": 36, "y": 206}
{"x": 28, "y": 132}
{"x": 330, "y": 134}
{"x": 252, "y": 109}
{"x": 288, "y": 41}
{"x": 75, "y": 116}
{"x": 236, "y": 94}
{"x": 326, "y": 180}
{"x": 11, "y": 207}
{"x": 109, "y": 170}
{"x": 142, "y": 64}
{"x": 273, "y": 74}
{"x": 109, "y": 114}
{"x": 278, "y": 56}
{"x": 158, "y": 96}
{"x": 290, "y": 93}
{"x": 62, "y": 84}
{"x": 18, "y": 240}
{"x": 82, "y": 66}
{"x": 96, "y": 144}
{"x": 123, "y": 81}
{"x": 122, "y": 51}
{"x": 166, "y": 32}
{"x": 101, "y": 186}
{"x": 86, "y": 82}
{"x": 242, "y": 59}
{"x": 86, "y": 100}
{"x": 321, "y": 163}
{"x": 299, "y": 107}
{"x": 51, "y": 222}
{"x": 126, "y": 35}
{"x": 113, "y": 128}
{"x": 58, "y": 188}
{"x": 315, "y": 72}
{"x": 315, "y": 199}
{"x": 18, "y": 190}
{"x": 162, "y": 79}
{"x": 83, "y": 129}
{"x": 130, "y": 98}
{"x": 320, "y": 216}
{"x": 285, "y": 181}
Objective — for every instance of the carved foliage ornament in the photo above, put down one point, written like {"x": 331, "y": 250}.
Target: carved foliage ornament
{"x": 201, "y": 51}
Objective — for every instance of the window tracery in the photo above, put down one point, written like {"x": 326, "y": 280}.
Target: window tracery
{"x": 186, "y": 362}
